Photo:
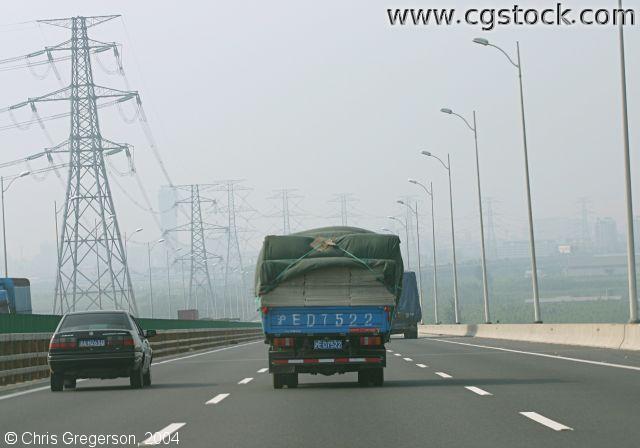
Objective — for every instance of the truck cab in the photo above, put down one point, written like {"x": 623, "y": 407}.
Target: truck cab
{"x": 15, "y": 296}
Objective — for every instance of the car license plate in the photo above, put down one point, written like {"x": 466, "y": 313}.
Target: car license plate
{"x": 87, "y": 343}
{"x": 327, "y": 345}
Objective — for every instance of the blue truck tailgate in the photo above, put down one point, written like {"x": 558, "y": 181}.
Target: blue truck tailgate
{"x": 326, "y": 320}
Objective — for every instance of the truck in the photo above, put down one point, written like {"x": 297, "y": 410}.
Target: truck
{"x": 408, "y": 312}
{"x": 327, "y": 299}
{"x": 15, "y": 296}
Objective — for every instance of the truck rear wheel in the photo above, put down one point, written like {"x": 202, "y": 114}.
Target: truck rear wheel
{"x": 377, "y": 376}
{"x": 278, "y": 380}
{"x": 292, "y": 380}
{"x": 363, "y": 377}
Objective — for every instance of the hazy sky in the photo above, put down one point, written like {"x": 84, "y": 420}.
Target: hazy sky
{"x": 326, "y": 97}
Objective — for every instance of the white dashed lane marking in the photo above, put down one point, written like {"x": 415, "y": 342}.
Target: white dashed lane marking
{"x": 422, "y": 366}
{"x": 162, "y": 436}
{"x": 477, "y": 390}
{"x": 546, "y": 421}
{"x": 217, "y": 399}
{"x": 264, "y": 369}
{"x": 245, "y": 381}
{"x": 443, "y": 375}
{"x": 398, "y": 354}
{"x": 408, "y": 359}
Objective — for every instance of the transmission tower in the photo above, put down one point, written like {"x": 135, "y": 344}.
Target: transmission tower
{"x": 201, "y": 286}
{"x": 285, "y": 197}
{"x": 90, "y": 232}
{"x": 343, "y": 200}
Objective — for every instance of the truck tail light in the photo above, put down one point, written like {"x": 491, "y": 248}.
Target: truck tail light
{"x": 284, "y": 342}
{"x": 65, "y": 343}
{"x": 387, "y": 310}
{"x": 370, "y": 340}
{"x": 264, "y": 310}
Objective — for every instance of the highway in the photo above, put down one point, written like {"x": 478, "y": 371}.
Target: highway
{"x": 439, "y": 392}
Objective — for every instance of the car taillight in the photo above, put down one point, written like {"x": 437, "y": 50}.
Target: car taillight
{"x": 120, "y": 341}
{"x": 264, "y": 310}
{"x": 284, "y": 342}
{"x": 370, "y": 340}
{"x": 64, "y": 343}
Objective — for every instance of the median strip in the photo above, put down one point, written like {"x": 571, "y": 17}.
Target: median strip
{"x": 163, "y": 436}
{"x": 546, "y": 421}
{"x": 477, "y": 390}
{"x": 217, "y": 399}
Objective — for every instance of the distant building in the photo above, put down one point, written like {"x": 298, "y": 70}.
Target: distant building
{"x": 595, "y": 265}
{"x": 606, "y": 236}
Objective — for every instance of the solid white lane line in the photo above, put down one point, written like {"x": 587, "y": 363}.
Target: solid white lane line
{"x": 163, "y": 434}
{"x": 408, "y": 359}
{"x": 217, "y": 399}
{"x": 422, "y": 366}
{"x": 204, "y": 353}
{"x": 546, "y": 421}
{"x": 545, "y": 355}
{"x": 398, "y": 354}
{"x": 443, "y": 375}
{"x": 477, "y": 390}
{"x": 264, "y": 369}
{"x": 245, "y": 381}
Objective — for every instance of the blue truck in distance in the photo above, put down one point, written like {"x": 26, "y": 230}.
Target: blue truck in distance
{"x": 325, "y": 311}
{"x": 15, "y": 296}
{"x": 409, "y": 312}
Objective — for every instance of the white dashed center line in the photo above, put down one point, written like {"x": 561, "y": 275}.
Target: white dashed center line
{"x": 398, "y": 354}
{"x": 245, "y": 381}
{"x": 477, "y": 390}
{"x": 443, "y": 375}
{"x": 264, "y": 369}
{"x": 546, "y": 421}
{"x": 422, "y": 366}
{"x": 217, "y": 399}
{"x": 162, "y": 436}
{"x": 390, "y": 351}
{"x": 408, "y": 359}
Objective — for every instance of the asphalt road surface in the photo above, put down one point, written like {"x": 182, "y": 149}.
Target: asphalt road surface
{"x": 438, "y": 392}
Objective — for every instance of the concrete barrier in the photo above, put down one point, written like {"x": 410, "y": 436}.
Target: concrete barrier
{"x": 614, "y": 336}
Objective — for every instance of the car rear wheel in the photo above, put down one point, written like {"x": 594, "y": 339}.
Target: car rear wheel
{"x": 70, "y": 383}
{"x": 146, "y": 379}
{"x": 57, "y": 382}
{"x": 136, "y": 378}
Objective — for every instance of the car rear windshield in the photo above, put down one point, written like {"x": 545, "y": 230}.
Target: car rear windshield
{"x": 96, "y": 321}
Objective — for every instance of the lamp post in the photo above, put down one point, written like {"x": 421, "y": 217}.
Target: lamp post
{"x": 485, "y": 283}
{"x": 631, "y": 256}
{"x": 415, "y": 212}
{"x": 406, "y": 233}
{"x": 532, "y": 244}
{"x": 150, "y": 247}
{"x": 169, "y": 279}
{"x": 429, "y": 192}
{"x": 447, "y": 166}
{"x": 4, "y": 227}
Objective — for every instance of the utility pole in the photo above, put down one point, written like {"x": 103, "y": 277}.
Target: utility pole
{"x": 88, "y": 194}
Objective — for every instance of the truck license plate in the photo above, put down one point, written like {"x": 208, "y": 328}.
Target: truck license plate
{"x": 327, "y": 345}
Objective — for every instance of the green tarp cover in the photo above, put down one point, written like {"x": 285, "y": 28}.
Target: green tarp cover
{"x": 284, "y": 257}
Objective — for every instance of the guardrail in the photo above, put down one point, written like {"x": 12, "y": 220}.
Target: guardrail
{"x": 23, "y": 356}
{"x": 614, "y": 336}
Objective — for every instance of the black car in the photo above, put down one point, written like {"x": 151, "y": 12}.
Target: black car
{"x": 99, "y": 344}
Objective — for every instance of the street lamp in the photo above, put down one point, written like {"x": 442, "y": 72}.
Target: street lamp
{"x": 4, "y": 227}
{"x": 150, "y": 247}
{"x": 429, "y": 192}
{"x": 485, "y": 283}
{"x": 532, "y": 243}
{"x": 406, "y": 233}
{"x": 447, "y": 166}
{"x": 631, "y": 254}
{"x": 415, "y": 212}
